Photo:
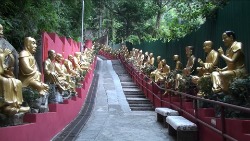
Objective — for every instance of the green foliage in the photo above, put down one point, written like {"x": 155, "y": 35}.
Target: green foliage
{"x": 31, "y": 18}
{"x": 240, "y": 91}
{"x": 123, "y": 20}
{"x": 205, "y": 85}
{"x": 150, "y": 20}
{"x": 30, "y": 95}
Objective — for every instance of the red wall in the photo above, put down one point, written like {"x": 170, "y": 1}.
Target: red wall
{"x": 44, "y": 126}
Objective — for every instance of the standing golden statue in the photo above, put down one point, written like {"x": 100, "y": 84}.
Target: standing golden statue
{"x": 28, "y": 70}
{"x": 234, "y": 59}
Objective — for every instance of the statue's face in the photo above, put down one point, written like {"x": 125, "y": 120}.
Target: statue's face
{"x": 206, "y": 47}
{"x": 70, "y": 57}
{"x": 227, "y": 40}
{"x": 32, "y": 45}
{"x": 188, "y": 52}
{"x": 52, "y": 55}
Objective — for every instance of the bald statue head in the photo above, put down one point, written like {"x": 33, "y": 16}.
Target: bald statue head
{"x": 176, "y": 57}
{"x": 51, "y": 54}
{"x": 208, "y": 46}
{"x": 158, "y": 58}
{"x": 59, "y": 57}
{"x": 30, "y": 44}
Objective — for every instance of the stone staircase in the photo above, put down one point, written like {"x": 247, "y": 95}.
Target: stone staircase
{"x": 135, "y": 97}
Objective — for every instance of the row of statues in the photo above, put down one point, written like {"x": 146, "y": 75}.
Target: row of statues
{"x": 65, "y": 75}
{"x": 195, "y": 68}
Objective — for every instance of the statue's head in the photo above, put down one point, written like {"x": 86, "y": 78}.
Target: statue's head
{"x": 158, "y": 58}
{"x": 77, "y": 54}
{"x": 189, "y": 50}
{"x": 151, "y": 54}
{"x": 176, "y": 57}
{"x": 228, "y": 37}
{"x": 30, "y": 44}
{"x": 70, "y": 57}
{"x": 164, "y": 61}
{"x": 51, "y": 54}
{"x": 207, "y": 46}
{"x": 59, "y": 57}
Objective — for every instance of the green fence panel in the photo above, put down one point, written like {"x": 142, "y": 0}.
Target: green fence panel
{"x": 234, "y": 16}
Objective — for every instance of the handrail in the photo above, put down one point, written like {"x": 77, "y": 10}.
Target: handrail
{"x": 135, "y": 75}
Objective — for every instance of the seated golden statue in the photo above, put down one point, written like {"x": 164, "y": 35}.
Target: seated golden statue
{"x": 178, "y": 64}
{"x": 209, "y": 65}
{"x": 161, "y": 75}
{"x": 69, "y": 66}
{"x": 151, "y": 59}
{"x": 234, "y": 59}
{"x": 84, "y": 61}
{"x": 189, "y": 69}
{"x": 28, "y": 70}
{"x": 50, "y": 74}
{"x": 11, "y": 96}
{"x": 158, "y": 69}
{"x": 62, "y": 73}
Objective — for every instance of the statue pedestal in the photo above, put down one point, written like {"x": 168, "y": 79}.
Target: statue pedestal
{"x": 16, "y": 119}
{"x": 36, "y": 102}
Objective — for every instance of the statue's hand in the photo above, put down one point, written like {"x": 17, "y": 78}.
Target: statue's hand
{"x": 218, "y": 69}
{"x": 200, "y": 61}
{"x": 220, "y": 50}
{"x": 6, "y": 52}
{"x": 46, "y": 87}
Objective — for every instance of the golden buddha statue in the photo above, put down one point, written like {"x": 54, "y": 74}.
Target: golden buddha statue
{"x": 50, "y": 74}
{"x": 151, "y": 59}
{"x": 62, "y": 73}
{"x": 178, "y": 64}
{"x": 157, "y": 70}
{"x": 189, "y": 69}
{"x": 84, "y": 61}
{"x": 234, "y": 59}
{"x": 69, "y": 66}
{"x": 165, "y": 70}
{"x": 209, "y": 65}
{"x": 211, "y": 60}
{"x": 190, "y": 66}
{"x": 28, "y": 70}
{"x": 11, "y": 96}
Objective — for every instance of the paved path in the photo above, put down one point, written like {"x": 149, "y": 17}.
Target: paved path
{"x": 112, "y": 119}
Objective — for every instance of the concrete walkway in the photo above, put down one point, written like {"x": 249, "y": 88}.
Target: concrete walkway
{"x": 112, "y": 119}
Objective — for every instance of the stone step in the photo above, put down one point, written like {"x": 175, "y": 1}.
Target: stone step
{"x": 135, "y": 96}
{"x": 128, "y": 84}
{"x": 125, "y": 79}
{"x": 141, "y": 105}
{"x": 142, "y": 109}
{"x": 131, "y": 89}
{"x": 133, "y": 93}
{"x": 138, "y": 101}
